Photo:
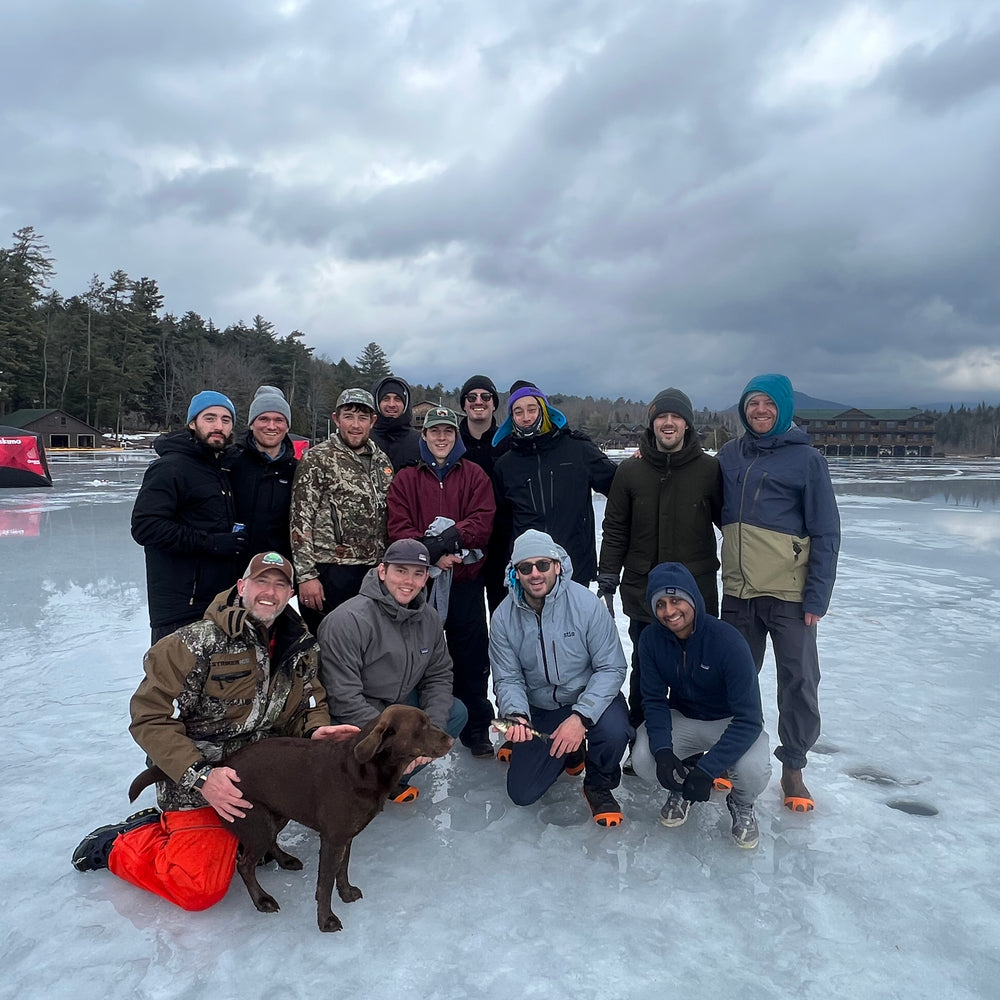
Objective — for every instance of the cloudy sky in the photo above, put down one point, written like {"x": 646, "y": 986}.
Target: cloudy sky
{"x": 608, "y": 196}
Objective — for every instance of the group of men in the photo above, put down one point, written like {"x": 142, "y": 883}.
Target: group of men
{"x": 395, "y": 541}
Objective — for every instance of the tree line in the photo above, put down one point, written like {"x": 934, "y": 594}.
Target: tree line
{"x": 111, "y": 356}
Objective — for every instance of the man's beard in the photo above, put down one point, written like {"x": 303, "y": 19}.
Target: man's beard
{"x": 215, "y": 445}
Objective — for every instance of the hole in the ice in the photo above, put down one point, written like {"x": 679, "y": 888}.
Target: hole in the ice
{"x": 825, "y": 749}
{"x": 912, "y": 806}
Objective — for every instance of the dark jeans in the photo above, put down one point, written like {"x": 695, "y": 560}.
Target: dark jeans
{"x": 532, "y": 771}
{"x": 797, "y": 662}
{"x": 340, "y": 583}
{"x": 469, "y": 647}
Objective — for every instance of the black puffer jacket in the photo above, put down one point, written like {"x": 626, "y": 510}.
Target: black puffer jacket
{"x": 184, "y": 506}
{"x": 546, "y": 483}
{"x": 662, "y": 508}
{"x": 262, "y": 493}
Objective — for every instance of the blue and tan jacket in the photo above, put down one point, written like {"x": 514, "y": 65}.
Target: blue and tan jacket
{"x": 780, "y": 523}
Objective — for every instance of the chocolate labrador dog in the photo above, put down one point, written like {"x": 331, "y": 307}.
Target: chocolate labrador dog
{"x": 335, "y": 787}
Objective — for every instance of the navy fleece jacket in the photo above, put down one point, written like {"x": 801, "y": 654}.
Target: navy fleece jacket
{"x": 710, "y": 675}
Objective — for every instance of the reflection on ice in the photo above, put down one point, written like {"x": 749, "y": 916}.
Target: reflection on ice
{"x": 467, "y": 895}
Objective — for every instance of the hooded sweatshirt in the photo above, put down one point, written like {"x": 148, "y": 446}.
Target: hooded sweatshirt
{"x": 780, "y": 523}
{"x": 710, "y": 675}
{"x": 374, "y": 652}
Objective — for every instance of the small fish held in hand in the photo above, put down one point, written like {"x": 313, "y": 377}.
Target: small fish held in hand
{"x": 505, "y": 725}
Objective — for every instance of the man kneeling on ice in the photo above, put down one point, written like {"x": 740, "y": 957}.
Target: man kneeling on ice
{"x": 558, "y": 668}
{"x": 246, "y": 671}
{"x": 702, "y": 704}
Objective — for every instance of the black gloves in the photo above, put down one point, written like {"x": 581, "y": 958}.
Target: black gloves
{"x": 447, "y": 543}
{"x": 697, "y": 785}
{"x": 228, "y": 543}
{"x": 607, "y": 583}
{"x": 670, "y": 770}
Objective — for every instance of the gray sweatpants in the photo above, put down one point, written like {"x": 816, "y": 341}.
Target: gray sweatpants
{"x": 749, "y": 775}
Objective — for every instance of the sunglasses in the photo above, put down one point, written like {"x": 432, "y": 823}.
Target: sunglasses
{"x": 526, "y": 568}
{"x": 484, "y": 397}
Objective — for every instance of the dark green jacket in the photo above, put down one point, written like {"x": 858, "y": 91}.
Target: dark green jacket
{"x": 662, "y": 509}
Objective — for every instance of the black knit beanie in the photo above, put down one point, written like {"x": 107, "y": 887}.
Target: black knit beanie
{"x": 479, "y": 382}
{"x": 671, "y": 401}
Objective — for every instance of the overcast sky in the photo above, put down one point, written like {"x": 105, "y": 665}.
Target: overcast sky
{"x": 607, "y": 196}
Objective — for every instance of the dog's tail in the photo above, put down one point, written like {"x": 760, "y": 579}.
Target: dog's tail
{"x": 144, "y": 780}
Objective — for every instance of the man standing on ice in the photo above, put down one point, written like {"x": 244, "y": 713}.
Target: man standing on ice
{"x": 185, "y": 519}
{"x": 663, "y": 507}
{"x": 246, "y": 671}
{"x": 702, "y": 704}
{"x": 780, "y": 540}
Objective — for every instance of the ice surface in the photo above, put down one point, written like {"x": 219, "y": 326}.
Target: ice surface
{"x": 467, "y": 895}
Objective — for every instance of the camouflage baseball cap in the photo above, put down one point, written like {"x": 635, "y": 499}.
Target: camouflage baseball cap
{"x": 441, "y": 415}
{"x": 356, "y": 397}
{"x": 264, "y": 561}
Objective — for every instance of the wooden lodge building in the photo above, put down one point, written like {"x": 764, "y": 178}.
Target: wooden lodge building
{"x": 57, "y": 428}
{"x": 870, "y": 433}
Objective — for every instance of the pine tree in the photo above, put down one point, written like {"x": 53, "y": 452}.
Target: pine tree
{"x": 372, "y": 364}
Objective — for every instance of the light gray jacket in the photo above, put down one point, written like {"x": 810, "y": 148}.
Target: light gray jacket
{"x": 570, "y": 654}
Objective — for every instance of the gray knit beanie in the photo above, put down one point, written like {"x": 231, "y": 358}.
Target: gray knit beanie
{"x": 269, "y": 399}
{"x": 671, "y": 401}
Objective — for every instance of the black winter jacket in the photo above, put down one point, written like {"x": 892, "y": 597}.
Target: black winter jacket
{"x": 662, "y": 508}
{"x": 262, "y": 494}
{"x": 184, "y": 504}
{"x": 546, "y": 483}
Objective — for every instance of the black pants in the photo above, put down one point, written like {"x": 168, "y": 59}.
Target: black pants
{"x": 469, "y": 647}
{"x": 796, "y": 660}
{"x": 340, "y": 583}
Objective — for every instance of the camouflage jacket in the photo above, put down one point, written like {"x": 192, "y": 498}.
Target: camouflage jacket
{"x": 338, "y": 507}
{"x": 229, "y": 691}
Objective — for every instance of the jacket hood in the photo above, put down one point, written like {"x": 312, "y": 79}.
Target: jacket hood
{"x": 779, "y": 388}
{"x": 506, "y": 429}
{"x": 404, "y": 418}
{"x": 373, "y": 588}
{"x": 457, "y": 453}
{"x": 513, "y": 583}
{"x": 673, "y": 574}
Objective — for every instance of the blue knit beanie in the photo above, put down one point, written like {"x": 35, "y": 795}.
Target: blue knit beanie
{"x": 209, "y": 397}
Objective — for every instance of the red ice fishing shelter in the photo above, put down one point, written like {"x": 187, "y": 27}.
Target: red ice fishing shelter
{"x": 22, "y": 459}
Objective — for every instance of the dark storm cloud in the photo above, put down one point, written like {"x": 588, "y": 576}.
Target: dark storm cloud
{"x": 686, "y": 182}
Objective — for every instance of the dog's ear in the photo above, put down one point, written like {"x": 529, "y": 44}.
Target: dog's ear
{"x": 372, "y": 743}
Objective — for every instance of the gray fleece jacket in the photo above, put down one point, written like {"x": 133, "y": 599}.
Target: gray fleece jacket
{"x": 374, "y": 652}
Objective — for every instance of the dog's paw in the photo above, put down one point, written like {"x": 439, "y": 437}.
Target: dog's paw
{"x": 290, "y": 864}
{"x": 330, "y": 923}
{"x": 266, "y": 904}
{"x": 350, "y": 893}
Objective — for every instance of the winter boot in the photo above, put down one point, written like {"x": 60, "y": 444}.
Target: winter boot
{"x": 576, "y": 760}
{"x": 92, "y": 852}
{"x": 403, "y": 793}
{"x": 604, "y": 806}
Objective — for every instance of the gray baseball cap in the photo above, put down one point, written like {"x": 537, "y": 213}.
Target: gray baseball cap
{"x": 356, "y": 397}
{"x": 407, "y": 552}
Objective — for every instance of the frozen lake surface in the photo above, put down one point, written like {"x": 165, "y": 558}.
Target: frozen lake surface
{"x": 889, "y": 889}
